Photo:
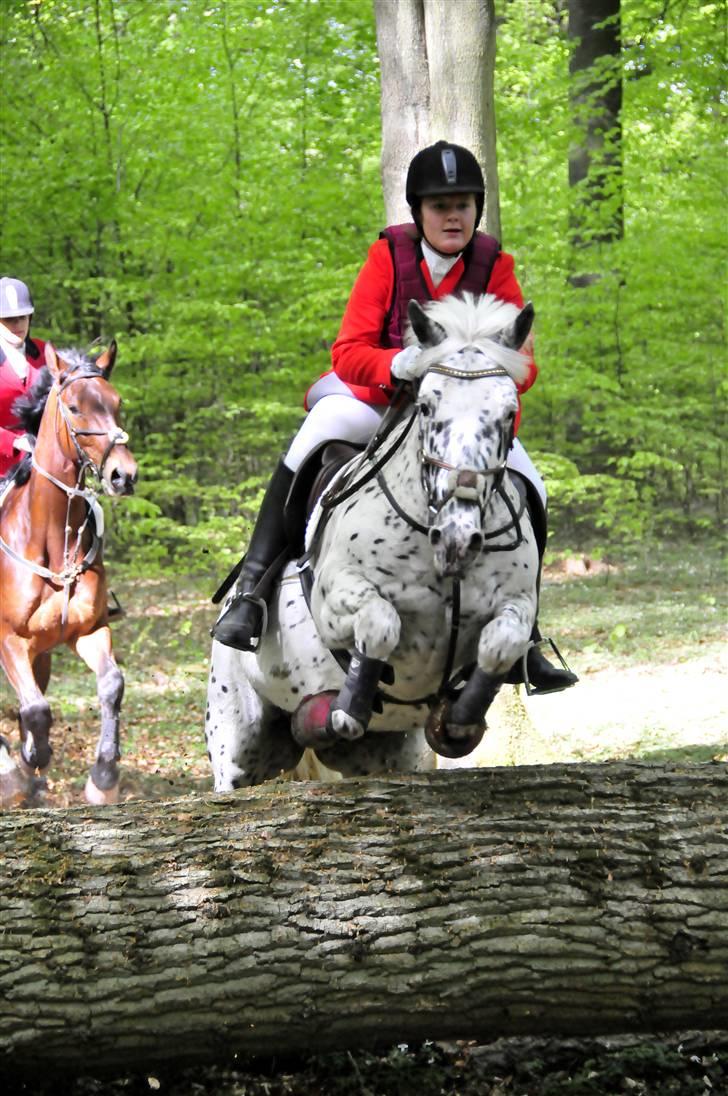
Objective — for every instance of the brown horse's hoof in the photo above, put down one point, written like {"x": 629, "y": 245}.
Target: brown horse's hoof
{"x": 308, "y": 722}
{"x": 15, "y": 786}
{"x": 98, "y": 798}
{"x": 451, "y": 740}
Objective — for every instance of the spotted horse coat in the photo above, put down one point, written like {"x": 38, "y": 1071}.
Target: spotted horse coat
{"x": 438, "y": 532}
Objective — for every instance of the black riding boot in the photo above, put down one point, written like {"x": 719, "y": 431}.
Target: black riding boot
{"x": 242, "y": 623}
{"x": 542, "y": 675}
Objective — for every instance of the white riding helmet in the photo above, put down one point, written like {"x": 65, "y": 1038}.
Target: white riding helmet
{"x": 15, "y": 298}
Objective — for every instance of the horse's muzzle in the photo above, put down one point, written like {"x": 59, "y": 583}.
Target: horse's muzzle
{"x": 121, "y": 481}
{"x": 454, "y": 548}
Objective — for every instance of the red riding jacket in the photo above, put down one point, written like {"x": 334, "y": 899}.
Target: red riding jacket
{"x": 11, "y": 386}
{"x": 370, "y": 333}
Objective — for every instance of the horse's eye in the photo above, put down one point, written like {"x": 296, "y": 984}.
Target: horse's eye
{"x": 73, "y": 409}
{"x": 425, "y": 411}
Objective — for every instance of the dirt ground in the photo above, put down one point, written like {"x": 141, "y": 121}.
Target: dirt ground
{"x": 668, "y": 710}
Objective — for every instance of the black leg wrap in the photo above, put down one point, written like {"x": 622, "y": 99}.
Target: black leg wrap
{"x": 357, "y": 696}
{"x": 475, "y": 698}
{"x": 454, "y": 729}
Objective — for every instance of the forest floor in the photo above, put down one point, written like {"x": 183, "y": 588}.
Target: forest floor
{"x": 645, "y": 631}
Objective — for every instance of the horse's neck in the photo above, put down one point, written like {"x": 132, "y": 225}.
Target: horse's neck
{"x": 47, "y": 502}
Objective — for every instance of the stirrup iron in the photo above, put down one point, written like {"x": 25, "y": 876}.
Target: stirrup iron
{"x": 532, "y": 690}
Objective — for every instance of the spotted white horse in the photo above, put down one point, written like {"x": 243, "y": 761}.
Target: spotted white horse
{"x": 419, "y": 588}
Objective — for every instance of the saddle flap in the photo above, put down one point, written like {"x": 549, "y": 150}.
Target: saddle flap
{"x": 310, "y": 482}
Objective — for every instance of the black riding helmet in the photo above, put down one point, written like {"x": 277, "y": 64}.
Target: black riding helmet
{"x": 444, "y": 168}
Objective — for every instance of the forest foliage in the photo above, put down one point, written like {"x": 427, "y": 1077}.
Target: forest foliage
{"x": 201, "y": 180}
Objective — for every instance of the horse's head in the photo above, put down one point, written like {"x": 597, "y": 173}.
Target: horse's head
{"x": 467, "y": 404}
{"x": 87, "y": 421}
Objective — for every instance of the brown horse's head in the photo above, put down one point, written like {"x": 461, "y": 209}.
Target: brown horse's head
{"x": 89, "y": 430}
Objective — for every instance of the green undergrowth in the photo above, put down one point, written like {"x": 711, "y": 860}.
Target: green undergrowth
{"x": 653, "y": 604}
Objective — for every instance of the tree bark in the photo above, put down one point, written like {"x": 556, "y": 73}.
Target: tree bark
{"x": 437, "y": 63}
{"x": 595, "y": 159}
{"x": 471, "y": 904}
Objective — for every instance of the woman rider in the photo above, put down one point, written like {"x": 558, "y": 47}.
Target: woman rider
{"x": 21, "y": 360}
{"x": 439, "y": 254}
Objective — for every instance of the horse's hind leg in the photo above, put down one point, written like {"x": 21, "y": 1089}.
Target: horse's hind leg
{"x": 248, "y": 740}
{"x": 102, "y": 786}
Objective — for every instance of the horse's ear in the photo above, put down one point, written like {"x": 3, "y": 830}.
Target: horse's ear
{"x": 54, "y": 363}
{"x": 105, "y": 361}
{"x": 516, "y": 335}
{"x": 427, "y": 331}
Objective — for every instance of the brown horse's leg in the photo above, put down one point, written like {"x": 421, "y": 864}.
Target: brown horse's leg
{"x": 102, "y": 785}
{"x": 42, "y": 670}
{"x": 35, "y": 713}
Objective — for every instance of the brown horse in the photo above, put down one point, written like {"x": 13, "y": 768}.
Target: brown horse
{"x": 52, "y": 580}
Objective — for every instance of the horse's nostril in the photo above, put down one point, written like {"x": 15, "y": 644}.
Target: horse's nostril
{"x": 435, "y": 537}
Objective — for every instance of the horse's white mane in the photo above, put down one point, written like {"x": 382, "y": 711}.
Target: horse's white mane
{"x": 474, "y": 321}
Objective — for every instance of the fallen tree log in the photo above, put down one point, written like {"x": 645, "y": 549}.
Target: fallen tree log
{"x": 464, "y": 904}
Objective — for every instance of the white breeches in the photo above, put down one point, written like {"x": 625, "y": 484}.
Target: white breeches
{"x": 519, "y": 461}
{"x": 332, "y": 416}
{"x": 337, "y": 414}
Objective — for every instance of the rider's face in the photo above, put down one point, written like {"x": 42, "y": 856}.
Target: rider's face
{"x": 17, "y": 325}
{"x": 448, "y": 221}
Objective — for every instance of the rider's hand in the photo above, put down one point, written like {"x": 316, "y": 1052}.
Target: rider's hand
{"x": 23, "y": 444}
{"x": 405, "y": 365}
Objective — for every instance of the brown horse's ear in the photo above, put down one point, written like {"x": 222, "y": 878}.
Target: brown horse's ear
{"x": 105, "y": 361}
{"x": 54, "y": 363}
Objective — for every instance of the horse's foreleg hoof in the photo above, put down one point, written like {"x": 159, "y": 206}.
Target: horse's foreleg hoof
{"x": 99, "y": 797}
{"x": 15, "y": 785}
{"x": 450, "y": 739}
{"x": 309, "y": 721}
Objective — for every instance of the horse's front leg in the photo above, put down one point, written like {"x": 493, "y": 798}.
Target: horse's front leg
{"x": 351, "y": 611}
{"x": 34, "y": 714}
{"x": 102, "y": 786}
{"x": 456, "y": 726}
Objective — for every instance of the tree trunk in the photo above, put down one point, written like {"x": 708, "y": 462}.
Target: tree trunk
{"x": 437, "y": 60}
{"x": 595, "y": 158}
{"x": 566, "y": 899}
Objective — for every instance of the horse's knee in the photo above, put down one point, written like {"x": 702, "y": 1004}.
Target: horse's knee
{"x": 35, "y": 725}
{"x": 377, "y": 629}
{"x": 503, "y": 640}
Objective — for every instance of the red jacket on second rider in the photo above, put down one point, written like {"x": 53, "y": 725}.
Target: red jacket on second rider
{"x": 12, "y": 386}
